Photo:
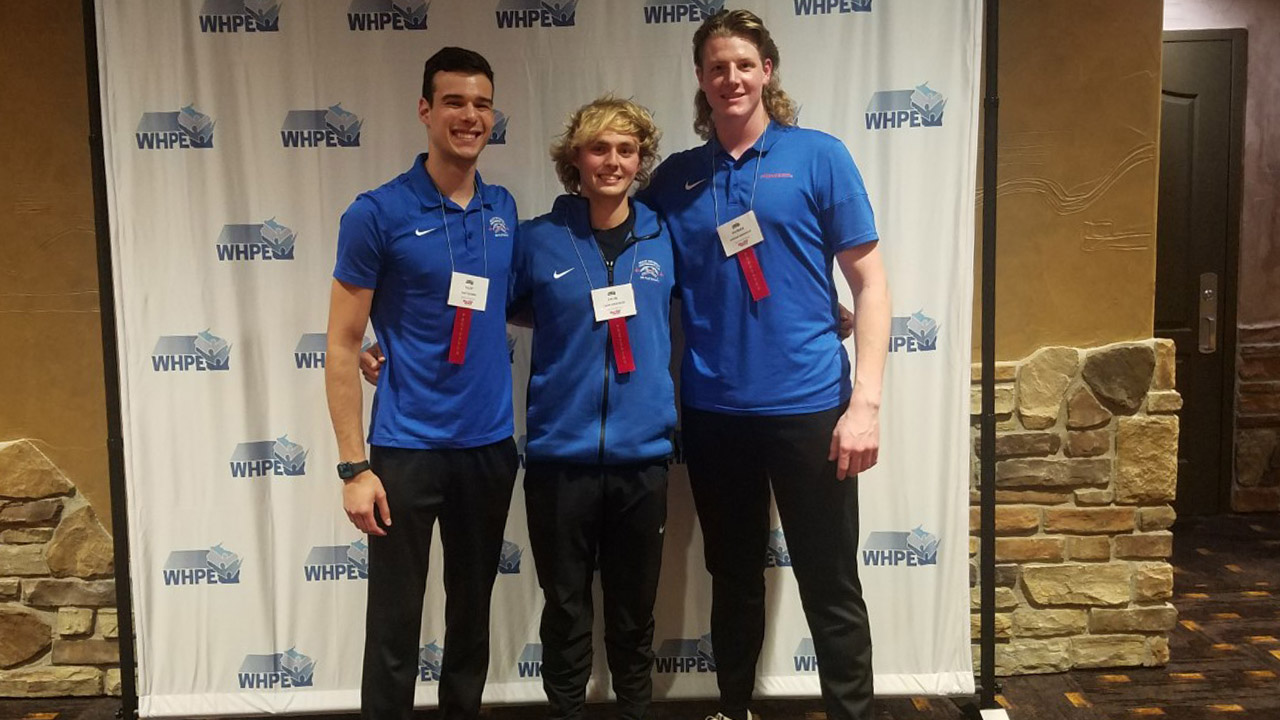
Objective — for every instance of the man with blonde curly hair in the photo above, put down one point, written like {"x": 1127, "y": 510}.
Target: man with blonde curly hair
{"x": 596, "y": 275}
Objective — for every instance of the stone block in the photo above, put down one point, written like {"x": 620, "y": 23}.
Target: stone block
{"x": 1084, "y": 410}
{"x": 1029, "y": 549}
{"x": 26, "y": 535}
{"x": 108, "y": 623}
{"x": 1259, "y": 363}
{"x": 1032, "y": 497}
{"x": 1156, "y": 518}
{"x": 27, "y": 473}
{"x": 1165, "y": 401}
{"x": 23, "y": 560}
{"x": 44, "y": 592}
{"x": 1154, "y": 545}
{"x": 1048, "y": 623}
{"x": 111, "y": 682}
{"x": 1005, "y": 372}
{"x": 1089, "y": 521}
{"x": 1159, "y": 648}
{"x": 1052, "y": 472}
{"x": 1103, "y": 651}
{"x": 1155, "y": 619}
{"x": 1004, "y": 400}
{"x": 1146, "y": 459}
{"x": 1029, "y": 657}
{"x": 1166, "y": 365}
{"x": 24, "y": 635}
{"x": 1005, "y": 599}
{"x": 1042, "y": 380}
{"x": 1088, "y": 443}
{"x": 75, "y": 621}
{"x": 1152, "y": 582}
{"x": 1095, "y": 496}
{"x": 1257, "y": 461}
{"x": 1004, "y": 625}
{"x": 1027, "y": 444}
{"x": 1017, "y": 520}
{"x": 1120, "y": 375}
{"x": 1007, "y": 575}
{"x": 1077, "y": 584}
{"x": 81, "y": 547}
{"x": 1095, "y": 548}
{"x": 1255, "y": 499}
{"x": 1259, "y": 334}
{"x": 34, "y": 512}
{"x": 86, "y": 652}
{"x": 10, "y": 589}
{"x": 50, "y": 681}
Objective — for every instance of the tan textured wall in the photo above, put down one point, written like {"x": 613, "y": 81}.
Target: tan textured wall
{"x": 51, "y": 386}
{"x": 1079, "y": 139}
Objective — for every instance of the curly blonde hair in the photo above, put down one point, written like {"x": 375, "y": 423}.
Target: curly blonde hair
{"x": 748, "y": 26}
{"x": 602, "y": 115}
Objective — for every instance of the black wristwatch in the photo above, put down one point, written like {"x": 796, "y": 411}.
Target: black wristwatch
{"x": 348, "y": 470}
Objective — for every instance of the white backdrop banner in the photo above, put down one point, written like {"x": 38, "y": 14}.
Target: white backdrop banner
{"x": 237, "y": 132}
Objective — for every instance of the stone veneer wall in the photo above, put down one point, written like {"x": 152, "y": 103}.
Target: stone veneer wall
{"x": 58, "y": 629}
{"x": 1256, "y": 485}
{"x": 1086, "y": 469}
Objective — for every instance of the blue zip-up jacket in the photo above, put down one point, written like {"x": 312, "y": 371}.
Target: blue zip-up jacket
{"x": 580, "y": 410}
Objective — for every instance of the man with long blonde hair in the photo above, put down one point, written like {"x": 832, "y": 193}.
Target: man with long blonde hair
{"x": 758, "y": 215}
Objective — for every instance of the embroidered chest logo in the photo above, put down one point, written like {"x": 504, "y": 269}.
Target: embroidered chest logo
{"x": 649, "y": 270}
{"x": 499, "y": 227}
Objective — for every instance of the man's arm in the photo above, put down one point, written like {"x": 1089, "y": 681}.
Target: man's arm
{"x": 348, "y": 316}
{"x": 855, "y": 443}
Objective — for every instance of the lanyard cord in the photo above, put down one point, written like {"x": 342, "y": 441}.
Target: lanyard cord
{"x": 484, "y": 229}
{"x": 759, "y": 147}
{"x": 574, "y": 243}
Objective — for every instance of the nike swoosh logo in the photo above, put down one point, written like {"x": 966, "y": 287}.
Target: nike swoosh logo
{"x": 561, "y": 274}
{"x": 420, "y": 233}
{"x": 691, "y": 185}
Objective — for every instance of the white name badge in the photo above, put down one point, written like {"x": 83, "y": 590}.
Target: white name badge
{"x": 468, "y": 291}
{"x": 740, "y": 233}
{"x": 615, "y": 301}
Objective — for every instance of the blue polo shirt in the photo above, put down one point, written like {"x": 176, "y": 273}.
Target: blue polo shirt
{"x": 781, "y": 355}
{"x": 397, "y": 240}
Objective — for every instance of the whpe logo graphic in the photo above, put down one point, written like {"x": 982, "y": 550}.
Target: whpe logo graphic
{"x": 649, "y": 270}
{"x": 332, "y": 563}
{"x": 916, "y": 332}
{"x": 509, "y": 560}
{"x": 279, "y": 457}
{"x": 233, "y": 16}
{"x": 518, "y": 14}
{"x": 831, "y": 7}
{"x": 184, "y": 129}
{"x": 289, "y": 669}
{"x": 201, "y": 352}
{"x": 265, "y": 241}
{"x": 430, "y": 658}
{"x": 331, "y": 127}
{"x": 212, "y": 566}
{"x": 776, "y": 553}
{"x": 896, "y": 109}
{"x": 498, "y": 227}
{"x": 805, "y": 659}
{"x": 672, "y": 11}
{"x": 685, "y": 655}
{"x": 375, "y": 15}
{"x": 529, "y": 664}
{"x": 312, "y": 349}
{"x": 498, "y": 136}
{"x": 913, "y": 549}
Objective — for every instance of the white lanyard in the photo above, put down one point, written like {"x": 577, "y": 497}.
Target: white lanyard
{"x": 484, "y": 228}
{"x": 573, "y": 241}
{"x": 756, "y": 181}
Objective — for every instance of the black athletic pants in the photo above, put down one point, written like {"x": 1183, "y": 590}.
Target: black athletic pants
{"x": 578, "y": 513}
{"x": 733, "y": 460}
{"x": 469, "y": 492}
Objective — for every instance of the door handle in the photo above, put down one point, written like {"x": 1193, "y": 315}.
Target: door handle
{"x": 1208, "y": 303}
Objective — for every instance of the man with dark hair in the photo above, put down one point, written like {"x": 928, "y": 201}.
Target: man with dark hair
{"x": 426, "y": 256}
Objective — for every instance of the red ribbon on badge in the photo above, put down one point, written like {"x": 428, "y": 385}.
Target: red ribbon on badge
{"x": 461, "y": 331}
{"x": 621, "y": 342}
{"x": 755, "y": 276}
